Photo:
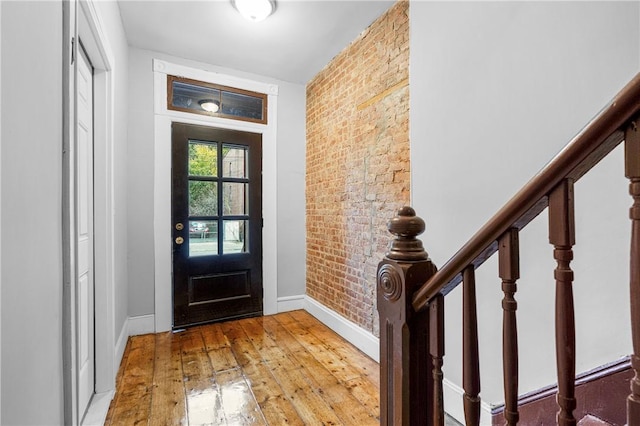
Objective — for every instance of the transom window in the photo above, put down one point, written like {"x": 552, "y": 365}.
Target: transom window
{"x": 210, "y": 99}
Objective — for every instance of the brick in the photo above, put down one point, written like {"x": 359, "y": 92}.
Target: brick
{"x": 358, "y": 167}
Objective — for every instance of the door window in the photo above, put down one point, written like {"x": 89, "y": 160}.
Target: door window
{"x": 211, "y": 231}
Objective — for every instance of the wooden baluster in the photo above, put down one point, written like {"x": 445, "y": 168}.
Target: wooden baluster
{"x": 406, "y": 382}
{"x": 436, "y": 349}
{"x": 470, "y": 357}
{"x": 509, "y": 270}
{"x": 632, "y": 171}
{"x": 562, "y": 236}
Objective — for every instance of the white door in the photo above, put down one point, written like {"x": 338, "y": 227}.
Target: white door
{"x": 84, "y": 232}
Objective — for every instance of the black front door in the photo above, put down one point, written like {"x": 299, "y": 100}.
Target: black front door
{"x": 217, "y": 224}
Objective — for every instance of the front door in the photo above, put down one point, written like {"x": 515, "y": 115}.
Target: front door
{"x": 217, "y": 224}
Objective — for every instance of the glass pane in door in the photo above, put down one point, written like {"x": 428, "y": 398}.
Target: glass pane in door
{"x": 235, "y": 237}
{"x": 203, "y": 237}
{"x": 234, "y": 161}
{"x": 203, "y": 158}
{"x": 235, "y": 198}
{"x": 203, "y": 198}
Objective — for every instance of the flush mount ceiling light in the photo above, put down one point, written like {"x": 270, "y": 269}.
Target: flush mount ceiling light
{"x": 254, "y": 10}
{"x": 209, "y": 105}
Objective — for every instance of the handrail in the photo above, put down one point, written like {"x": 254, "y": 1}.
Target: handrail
{"x": 586, "y": 149}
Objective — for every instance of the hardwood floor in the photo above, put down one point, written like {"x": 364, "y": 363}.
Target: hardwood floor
{"x": 282, "y": 369}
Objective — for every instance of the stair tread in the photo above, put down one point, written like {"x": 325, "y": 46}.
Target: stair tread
{"x": 590, "y": 420}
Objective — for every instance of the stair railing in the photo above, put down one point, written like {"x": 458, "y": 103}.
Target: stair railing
{"x": 411, "y": 290}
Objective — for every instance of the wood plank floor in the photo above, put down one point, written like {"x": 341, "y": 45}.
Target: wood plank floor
{"x": 274, "y": 370}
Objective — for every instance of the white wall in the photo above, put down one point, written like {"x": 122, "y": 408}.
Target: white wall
{"x": 497, "y": 88}
{"x": 31, "y": 195}
{"x": 291, "y": 165}
{"x": 290, "y": 160}
{"x": 31, "y": 245}
{"x": 140, "y": 186}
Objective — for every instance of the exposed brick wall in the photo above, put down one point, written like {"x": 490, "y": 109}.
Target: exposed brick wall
{"x": 357, "y": 165}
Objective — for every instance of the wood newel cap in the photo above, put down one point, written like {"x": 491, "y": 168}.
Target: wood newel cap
{"x": 406, "y": 226}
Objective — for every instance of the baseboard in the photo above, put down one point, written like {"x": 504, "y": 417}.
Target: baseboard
{"x": 98, "y": 409}
{"x": 133, "y": 326}
{"x": 601, "y": 392}
{"x": 121, "y": 345}
{"x": 142, "y": 324}
{"x": 360, "y": 338}
{"x": 290, "y": 303}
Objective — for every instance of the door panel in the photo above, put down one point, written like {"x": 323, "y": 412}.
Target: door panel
{"x": 84, "y": 232}
{"x": 217, "y": 224}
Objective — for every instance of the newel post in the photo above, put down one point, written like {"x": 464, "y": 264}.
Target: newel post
{"x": 406, "y": 379}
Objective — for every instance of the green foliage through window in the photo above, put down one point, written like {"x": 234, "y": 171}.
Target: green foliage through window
{"x": 203, "y": 159}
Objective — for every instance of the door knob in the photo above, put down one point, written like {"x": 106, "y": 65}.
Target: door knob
{"x": 179, "y": 240}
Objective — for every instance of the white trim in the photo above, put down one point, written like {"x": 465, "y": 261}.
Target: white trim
{"x": 82, "y": 21}
{"x": 68, "y": 254}
{"x": 99, "y": 407}
{"x": 164, "y": 67}
{"x": 162, "y": 181}
{"x": 98, "y": 410}
{"x": 453, "y": 403}
{"x": 360, "y": 338}
{"x": 100, "y": 53}
{"x": 0, "y": 206}
{"x": 121, "y": 343}
{"x": 143, "y": 324}
{"x": 290, "y": 303}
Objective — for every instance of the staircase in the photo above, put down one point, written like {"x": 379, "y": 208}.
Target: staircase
{"x": 411, "y": 290}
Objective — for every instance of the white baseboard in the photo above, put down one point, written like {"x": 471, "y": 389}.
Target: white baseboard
{"x": 290, "y": 303}
{"x": 133, "y": 326}
{"x": 121, "y": 345}
{"x": 143, "y": 324}
{"x": 98, "y": 409}
{"x": 360, "y": 338}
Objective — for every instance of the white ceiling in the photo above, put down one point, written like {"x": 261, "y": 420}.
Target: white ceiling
{"x": 293, "y": 44}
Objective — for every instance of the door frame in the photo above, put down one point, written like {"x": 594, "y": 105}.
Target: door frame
{"x": 163, "y": 117}
{"x": 82, "y": 21}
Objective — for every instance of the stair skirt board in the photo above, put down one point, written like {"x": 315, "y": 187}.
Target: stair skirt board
{"x": 601, "y": 392}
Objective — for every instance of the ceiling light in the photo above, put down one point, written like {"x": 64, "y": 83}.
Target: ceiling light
{"x": 209, "y": 105}
{"x": 254, "y": 10}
